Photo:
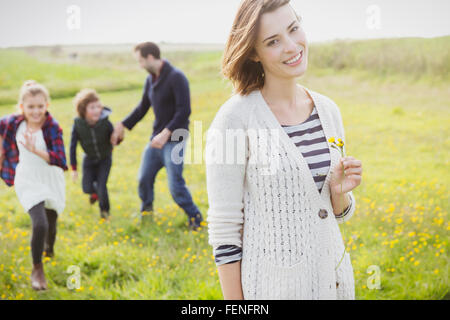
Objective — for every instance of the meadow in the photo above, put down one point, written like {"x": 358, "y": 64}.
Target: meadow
{"x": 394, "y": 96}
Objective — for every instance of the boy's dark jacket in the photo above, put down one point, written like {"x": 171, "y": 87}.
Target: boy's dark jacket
{"x": 95, "y": 140}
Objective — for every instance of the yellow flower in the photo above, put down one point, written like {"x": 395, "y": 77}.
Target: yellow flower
{"x": 331, "y": 140}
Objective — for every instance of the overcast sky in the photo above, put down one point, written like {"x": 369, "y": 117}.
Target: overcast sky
{"x": 48, "y": 22}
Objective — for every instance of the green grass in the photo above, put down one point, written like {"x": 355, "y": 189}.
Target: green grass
{"x": 399, "y": 129}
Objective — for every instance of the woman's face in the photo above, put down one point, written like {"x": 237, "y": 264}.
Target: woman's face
{"x": 34, "y": 108}
{"x": 93, "y": 111}
{"x": 281, "y": 44}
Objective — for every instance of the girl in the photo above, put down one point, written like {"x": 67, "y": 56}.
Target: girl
{"x": 274, "y": 224}
{"x": 33, "y": 160}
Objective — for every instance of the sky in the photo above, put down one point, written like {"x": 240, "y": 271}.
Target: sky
{"x": 52, "y": 22}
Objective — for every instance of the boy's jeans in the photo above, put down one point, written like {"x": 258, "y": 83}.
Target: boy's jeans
{"x": 153, "y": 160}
{"x": 95, "y": 177}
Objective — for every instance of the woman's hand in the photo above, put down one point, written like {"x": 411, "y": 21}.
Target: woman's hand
{"x": 353, "y": 175}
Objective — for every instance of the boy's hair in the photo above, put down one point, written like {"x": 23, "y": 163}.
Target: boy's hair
{"x": 31, "y": 87}
{"x": 146, "y": 48}
{"x": 83, "y": 98}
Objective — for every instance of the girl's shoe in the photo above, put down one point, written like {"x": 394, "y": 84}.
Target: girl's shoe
{"x": 38, "y": 281}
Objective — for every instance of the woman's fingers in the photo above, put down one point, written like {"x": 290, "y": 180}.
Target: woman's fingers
{"x": 351, "y": 171}
{"x": 352, "y": 163}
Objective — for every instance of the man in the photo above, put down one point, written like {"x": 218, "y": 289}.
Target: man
{"x": 167, "y": 90}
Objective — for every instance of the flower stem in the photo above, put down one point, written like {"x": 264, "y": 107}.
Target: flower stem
{"x": 343, "y": 254}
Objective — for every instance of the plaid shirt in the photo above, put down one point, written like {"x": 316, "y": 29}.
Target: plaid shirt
{"x": 52, "y": 136}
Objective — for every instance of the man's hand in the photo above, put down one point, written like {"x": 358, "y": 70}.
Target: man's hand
{"x": 118, "y": 134}
{"x": 74, "y": 176}
{"x": 160, "y": 139}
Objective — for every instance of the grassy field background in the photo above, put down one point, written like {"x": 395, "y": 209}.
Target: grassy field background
{"x": 394, "y": 96}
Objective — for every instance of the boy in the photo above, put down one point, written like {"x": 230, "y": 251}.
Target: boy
{"x": 93, "y": 130}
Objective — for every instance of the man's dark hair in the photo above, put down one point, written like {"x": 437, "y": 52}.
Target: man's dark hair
{"x": 146, "y": 48}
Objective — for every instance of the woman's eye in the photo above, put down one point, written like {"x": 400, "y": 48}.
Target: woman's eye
{"x": 294, "y": 29}
{"x": 271, "y": 43}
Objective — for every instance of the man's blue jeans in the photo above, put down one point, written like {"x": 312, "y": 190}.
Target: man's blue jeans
{"x": 153, "y": 160}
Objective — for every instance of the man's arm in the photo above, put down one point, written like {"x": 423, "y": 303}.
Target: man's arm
{"x": 141, "y": 109}
{"x": 180, "y": 88}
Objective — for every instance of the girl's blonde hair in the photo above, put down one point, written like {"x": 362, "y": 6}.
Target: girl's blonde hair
{"x": 31, "y": 87}
{"x": 237, "y": 65}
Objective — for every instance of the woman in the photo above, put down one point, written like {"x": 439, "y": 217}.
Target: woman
{"x": 274, "y": 210}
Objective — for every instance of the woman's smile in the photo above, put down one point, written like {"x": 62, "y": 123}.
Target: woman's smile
{"x": 295, "y": 60}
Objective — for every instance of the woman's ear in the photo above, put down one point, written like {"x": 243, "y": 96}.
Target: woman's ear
{"x": 254, "y": 57}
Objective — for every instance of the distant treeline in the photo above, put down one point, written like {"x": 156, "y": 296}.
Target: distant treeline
{"x": 65, "y": 69}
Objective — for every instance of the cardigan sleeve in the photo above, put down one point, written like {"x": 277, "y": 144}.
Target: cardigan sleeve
{"x": 225, "y": 179}
{"x": 227, "y": 254}
{"x": 348, "y": 213}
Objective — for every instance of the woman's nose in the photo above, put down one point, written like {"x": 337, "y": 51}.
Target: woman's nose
{"x": 291, "y": 45}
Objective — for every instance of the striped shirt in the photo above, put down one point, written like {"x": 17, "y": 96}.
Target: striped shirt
{"x": 310, "y": 138}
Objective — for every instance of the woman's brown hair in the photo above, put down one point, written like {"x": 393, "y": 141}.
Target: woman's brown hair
{"x": 237, "y": 65}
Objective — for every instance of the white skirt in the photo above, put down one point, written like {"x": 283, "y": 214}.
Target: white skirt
{"x": 36, "y": 180}
{"x": 37, "y": 183}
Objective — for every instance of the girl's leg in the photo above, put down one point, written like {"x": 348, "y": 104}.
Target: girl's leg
{"x": 52, "y": 217}
{"x": 40, "y": 229}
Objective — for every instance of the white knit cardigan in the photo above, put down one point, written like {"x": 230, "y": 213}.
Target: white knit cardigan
{"x": 289, "y": 250}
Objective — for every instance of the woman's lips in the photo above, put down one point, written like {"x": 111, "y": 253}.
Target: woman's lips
{"x": 294, "y": 60}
